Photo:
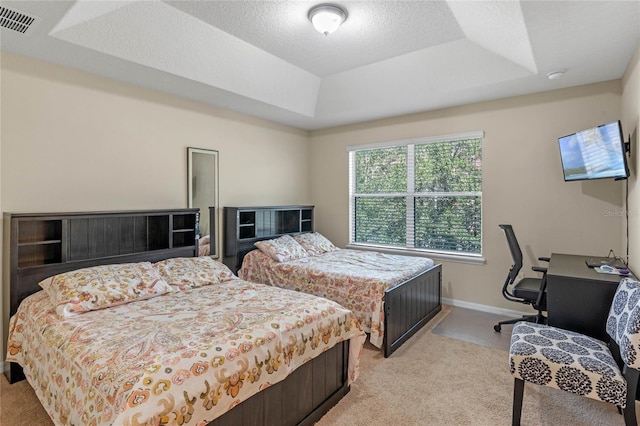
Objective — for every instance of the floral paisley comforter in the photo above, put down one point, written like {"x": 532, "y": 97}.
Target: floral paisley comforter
{"x": 181, "y": 358}
{"x": 355, "y": 279}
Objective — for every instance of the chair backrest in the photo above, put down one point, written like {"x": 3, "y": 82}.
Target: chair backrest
{"x": 623, "y": 323}
{"x": 516, "y": 253}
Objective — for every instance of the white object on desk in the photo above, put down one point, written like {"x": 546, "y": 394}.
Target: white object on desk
{"x": 607, "y": 269}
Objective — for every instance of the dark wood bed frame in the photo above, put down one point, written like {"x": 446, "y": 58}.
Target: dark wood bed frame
{"x": 41, "y": 245}
{"x": 408, "y": 305}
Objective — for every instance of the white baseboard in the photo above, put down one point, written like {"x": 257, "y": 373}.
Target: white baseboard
{"x": 485, "y": 308}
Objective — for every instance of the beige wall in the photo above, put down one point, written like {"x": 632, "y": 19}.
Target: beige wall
{"x": 71, "y": 141}
{"x": 631, "y": 126}
{"x": 522, "y": 181}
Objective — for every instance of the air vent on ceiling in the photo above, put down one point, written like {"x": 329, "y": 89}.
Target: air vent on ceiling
{"x": 14, "y": 20}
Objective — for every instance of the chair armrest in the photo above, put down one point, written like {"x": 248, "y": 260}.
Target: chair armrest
{"x": 545, "y": 259}
{"x": 539, "y": 269}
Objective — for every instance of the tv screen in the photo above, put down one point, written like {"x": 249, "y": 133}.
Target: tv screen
{"x": 595, "y": 153}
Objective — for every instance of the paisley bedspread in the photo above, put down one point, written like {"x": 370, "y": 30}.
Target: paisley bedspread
{"x": 180, "y": 358}
{"x": 355, "y": 279}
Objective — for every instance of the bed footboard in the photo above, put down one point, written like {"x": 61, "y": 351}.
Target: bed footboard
{"x": 301, "y": 399}
{"x": 409, "y": 306}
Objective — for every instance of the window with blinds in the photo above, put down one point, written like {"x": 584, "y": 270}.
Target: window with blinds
{"x": 418, "y": 194}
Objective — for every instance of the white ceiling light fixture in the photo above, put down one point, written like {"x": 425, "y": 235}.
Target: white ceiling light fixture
{"x": 553, "y": 75}
{"x": 326, "y": 18}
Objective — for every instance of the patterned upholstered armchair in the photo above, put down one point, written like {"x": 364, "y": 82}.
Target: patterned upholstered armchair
{"x": 579, "y": 364}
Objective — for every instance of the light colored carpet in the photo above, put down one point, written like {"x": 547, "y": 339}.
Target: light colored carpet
{"x": 437, "y": 380}
{"x": 431, "y": 380}
{"x": 19, "y": 405}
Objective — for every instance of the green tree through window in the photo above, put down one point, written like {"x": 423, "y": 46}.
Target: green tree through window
{"x": 426, "y": 194}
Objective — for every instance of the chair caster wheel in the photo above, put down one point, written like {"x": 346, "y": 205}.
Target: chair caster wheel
{"x": 497, "y": 328}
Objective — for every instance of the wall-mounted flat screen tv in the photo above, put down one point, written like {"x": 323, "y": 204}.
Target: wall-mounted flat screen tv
{"x": 595, "y": 153}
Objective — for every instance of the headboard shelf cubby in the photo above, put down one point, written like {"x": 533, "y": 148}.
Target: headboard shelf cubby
{"x": 58, "y": 238}
{"x": 244, "y": 226}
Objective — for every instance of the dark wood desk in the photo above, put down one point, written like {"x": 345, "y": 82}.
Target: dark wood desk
{"x": 578, "y": 297}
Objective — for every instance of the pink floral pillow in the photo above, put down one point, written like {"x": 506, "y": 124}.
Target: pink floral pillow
{"x": 99, "y": 287}
{"x": 315, "y": 243}
{"x": 191, "y": 272}
{"x": 282, "y": 249}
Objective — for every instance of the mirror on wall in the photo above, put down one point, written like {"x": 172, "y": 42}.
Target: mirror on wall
{"x": 202, "y": 181}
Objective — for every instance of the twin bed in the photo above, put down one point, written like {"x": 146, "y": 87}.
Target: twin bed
{"x": 392, "y": 296}
{"x": 193, "y": 345}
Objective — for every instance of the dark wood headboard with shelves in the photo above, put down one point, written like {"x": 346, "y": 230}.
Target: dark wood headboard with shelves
{"x": 243, "y": 226}
{"x": 40, "y": 245}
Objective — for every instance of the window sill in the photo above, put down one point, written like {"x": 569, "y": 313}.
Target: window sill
{"x": 435, "y": 255}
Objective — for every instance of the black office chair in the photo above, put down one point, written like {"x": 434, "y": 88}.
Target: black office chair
{"x": 530, "y": 291}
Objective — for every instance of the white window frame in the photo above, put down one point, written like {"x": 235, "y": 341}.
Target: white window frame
{"x": 410, "y": 195}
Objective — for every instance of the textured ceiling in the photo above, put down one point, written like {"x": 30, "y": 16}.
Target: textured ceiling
{"x": 389, "y": 58}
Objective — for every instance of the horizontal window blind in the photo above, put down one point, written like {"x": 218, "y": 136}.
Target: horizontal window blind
{"x": 380, "y": 220}
{"x": 424, "y": 194}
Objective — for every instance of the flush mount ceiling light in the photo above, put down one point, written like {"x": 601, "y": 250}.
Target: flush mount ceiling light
{"x": 326, "y": 18}
{"x": 555, "y": 74}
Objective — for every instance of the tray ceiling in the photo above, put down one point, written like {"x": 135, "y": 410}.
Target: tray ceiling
{"x": 389, "y": 58}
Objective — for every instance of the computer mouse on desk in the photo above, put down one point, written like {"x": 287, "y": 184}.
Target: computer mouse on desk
{"x": 623, "y": 271}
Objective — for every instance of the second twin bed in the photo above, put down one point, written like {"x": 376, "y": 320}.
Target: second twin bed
{"x": 392, "y": 296}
